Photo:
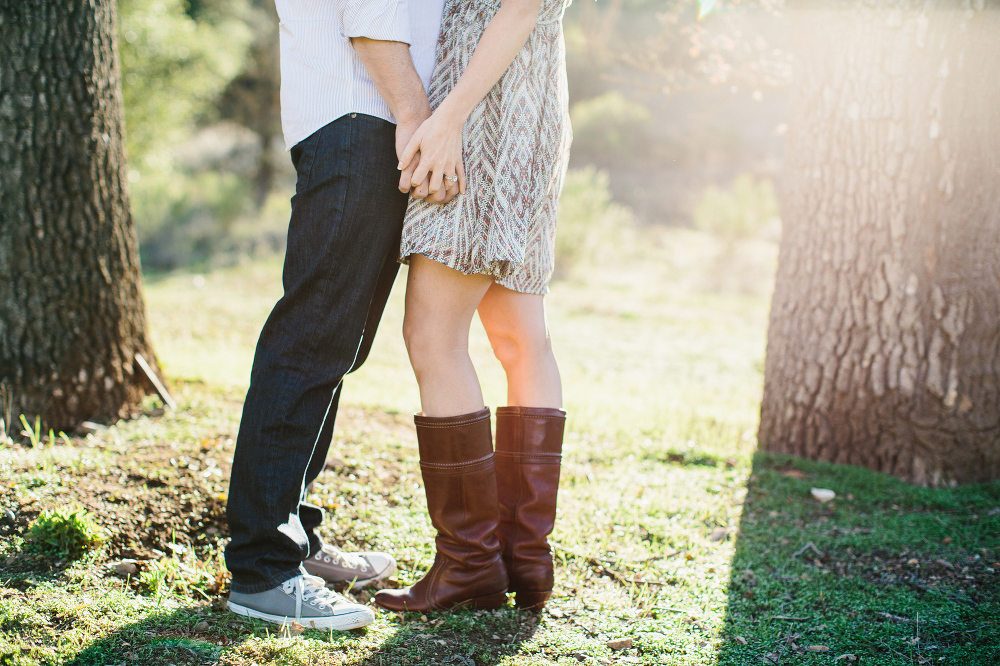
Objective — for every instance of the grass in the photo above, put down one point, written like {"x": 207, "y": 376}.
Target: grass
{"x": 672, "y": 534}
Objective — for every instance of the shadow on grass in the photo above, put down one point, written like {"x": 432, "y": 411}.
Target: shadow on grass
{"x": 464, "y": 638}
{"x": 190, "y": 636}
{"x": 886, "y": 573}
{"x": 179, "y": 636}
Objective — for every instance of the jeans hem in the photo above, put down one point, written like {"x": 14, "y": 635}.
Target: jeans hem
{"x": 269, "y": 584}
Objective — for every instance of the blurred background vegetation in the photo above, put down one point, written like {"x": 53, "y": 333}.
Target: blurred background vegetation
{"x": 677, "y": 122}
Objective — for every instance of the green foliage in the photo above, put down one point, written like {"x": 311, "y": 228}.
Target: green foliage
{"x": 587, "y": 217}
{"x": 62, "y": 532}
{"x": 609, "y": 126}
{"x": 738, "y": 212}
{"x": 185, "y": 574}
{"x": 173, "y": 68}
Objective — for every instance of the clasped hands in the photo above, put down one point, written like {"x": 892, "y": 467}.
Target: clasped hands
{"x": 430, "y": 158}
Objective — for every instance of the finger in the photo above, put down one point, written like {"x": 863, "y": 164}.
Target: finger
{"x": 460, "y": 171}
{"x": 449, "y": 194}
{"x": 420, "y": 191}
{"x": 438, "y": 197}
{"x": 420, "y": 172}
{"x": 412, "y": 148}
{"x": 437, "y": 178}
{"x": 407, "y": 174}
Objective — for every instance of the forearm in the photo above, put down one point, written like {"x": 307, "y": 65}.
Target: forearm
{"x": 391, "y": 69}
{"x": 502, "y": 39}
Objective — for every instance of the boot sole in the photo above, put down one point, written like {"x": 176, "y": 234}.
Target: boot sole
{"x": 489, "y": 602}
{"x": 353, "y": 620}
{"x": 531, "y": 600}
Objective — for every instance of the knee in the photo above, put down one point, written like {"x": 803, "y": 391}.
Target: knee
{"x": 424, "y": 342}
{"x": 515, "y": 346}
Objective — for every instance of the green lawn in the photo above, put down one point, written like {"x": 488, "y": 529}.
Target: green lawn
{"x": 672, "y": 534}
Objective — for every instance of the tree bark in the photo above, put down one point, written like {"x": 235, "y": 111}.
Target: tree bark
{"x": 884, "y": 340}
{"x": 72, "y": 317}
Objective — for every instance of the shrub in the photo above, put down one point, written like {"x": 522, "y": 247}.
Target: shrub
{"x": 609, "y": 126}
{"x": 64, "y": 533}
{"x": 589, "y": 220}
{"x": 737, "y": 213}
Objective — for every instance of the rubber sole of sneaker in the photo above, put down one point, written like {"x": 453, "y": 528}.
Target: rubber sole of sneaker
{"x": 353, "y": 620}
{"x": 359, "y": 583}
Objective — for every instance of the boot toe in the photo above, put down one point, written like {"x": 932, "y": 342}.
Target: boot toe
{"x": 395, "y": 600}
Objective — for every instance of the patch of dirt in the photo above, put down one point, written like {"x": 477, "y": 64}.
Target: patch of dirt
{"x": 152, "y": 496}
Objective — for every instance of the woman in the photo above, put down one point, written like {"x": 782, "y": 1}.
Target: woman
{"x": 500, "y": 100}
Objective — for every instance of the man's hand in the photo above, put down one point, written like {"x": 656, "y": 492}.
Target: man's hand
{"x": 405, "y": 130}
{"x": 410, "y": 161}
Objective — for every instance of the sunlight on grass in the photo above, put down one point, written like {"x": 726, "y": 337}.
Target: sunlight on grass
{"x": 646, "y": 354}
{"x": 675, "y": 542}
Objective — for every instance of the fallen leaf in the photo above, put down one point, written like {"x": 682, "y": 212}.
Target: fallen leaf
{"x": 718, "y": 534}
{"x": 740, "y": 640}
{"x": 201, "y": 626}
{"x": 126, "y": 568}
{"x": 945, "y": 563}
{"x": 913, "y": 561}
{"x": 620, "y": 644}
{"x": 795, "y": 474}
{"x": 818, "y": 648}
{"x": 848, "y": 656}
{"x": 947, "y": 540}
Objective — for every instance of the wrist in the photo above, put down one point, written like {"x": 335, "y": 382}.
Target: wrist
{"x": 413, "y": 115}
{"x": 453, "y": 112}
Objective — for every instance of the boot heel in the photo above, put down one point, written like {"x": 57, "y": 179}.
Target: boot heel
{"x": 531, "y": 600}
{"x": 492, "y": 602}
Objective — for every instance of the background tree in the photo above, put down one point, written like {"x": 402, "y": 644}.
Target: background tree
{"x": 72, "y": 318}
{"x": 252, "y": 98}
{"x": 884, "y": 340}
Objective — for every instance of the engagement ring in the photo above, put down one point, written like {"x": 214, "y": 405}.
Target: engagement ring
{"x": 453, "y": 179}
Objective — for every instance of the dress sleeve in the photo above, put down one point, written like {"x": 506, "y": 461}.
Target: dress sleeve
{"x": 385, "y": 20}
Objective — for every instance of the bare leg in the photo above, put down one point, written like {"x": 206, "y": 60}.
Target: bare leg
{"x": 516, "y": 326}
{"x": 440, "y": 302}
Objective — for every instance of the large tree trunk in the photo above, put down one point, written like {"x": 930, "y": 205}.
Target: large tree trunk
{"x": 72, "y": 317}
{"x": 884, "y": 340}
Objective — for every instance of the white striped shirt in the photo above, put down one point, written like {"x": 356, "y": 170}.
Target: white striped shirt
{"x": 322, "y": 77}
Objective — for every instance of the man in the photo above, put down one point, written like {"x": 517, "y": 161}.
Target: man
{"x": 349, "y": 70}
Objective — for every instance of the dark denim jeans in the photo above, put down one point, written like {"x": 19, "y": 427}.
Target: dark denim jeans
{"x": 340, "y": 263}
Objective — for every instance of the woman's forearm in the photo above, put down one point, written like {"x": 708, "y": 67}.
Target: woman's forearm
{"x": 502, "y": 39}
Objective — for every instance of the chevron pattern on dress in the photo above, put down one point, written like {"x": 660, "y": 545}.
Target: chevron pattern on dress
{"x": 515, "y": 151}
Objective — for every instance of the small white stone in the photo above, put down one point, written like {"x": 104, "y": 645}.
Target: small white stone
{"x": 822, "y": 494}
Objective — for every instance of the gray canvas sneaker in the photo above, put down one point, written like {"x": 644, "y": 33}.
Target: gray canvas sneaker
{"x": 303, "y": 599}
{"x": 359, "y": 569}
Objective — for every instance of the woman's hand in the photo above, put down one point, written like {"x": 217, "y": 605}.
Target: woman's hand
{"x": 433, "y": 157}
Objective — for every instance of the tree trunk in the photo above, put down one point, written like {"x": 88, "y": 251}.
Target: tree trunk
{"x": 884, "y": 340}
{"x": 72, "y": 317}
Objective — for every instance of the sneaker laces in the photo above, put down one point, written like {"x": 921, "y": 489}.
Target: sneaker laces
{"x": 312, "y": 590}
{"x": 347, "y": 560}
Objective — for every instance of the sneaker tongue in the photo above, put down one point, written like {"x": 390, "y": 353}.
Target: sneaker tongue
{"x": 315, "y": 592}
{"x": 348, "y": 559}
{"x": 314, "y": 581}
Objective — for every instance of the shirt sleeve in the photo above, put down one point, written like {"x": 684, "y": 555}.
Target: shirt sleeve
{"x": 385, "y": 20}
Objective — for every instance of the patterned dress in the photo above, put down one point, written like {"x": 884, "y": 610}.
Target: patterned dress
{"x": 516, "y": 146}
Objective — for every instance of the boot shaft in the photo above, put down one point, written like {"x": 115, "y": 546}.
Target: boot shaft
{"x": 528, "y": 458}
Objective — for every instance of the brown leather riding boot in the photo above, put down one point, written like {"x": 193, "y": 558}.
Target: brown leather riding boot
{"x": 456, "y": 461}
{"x": 528, "y": 454}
